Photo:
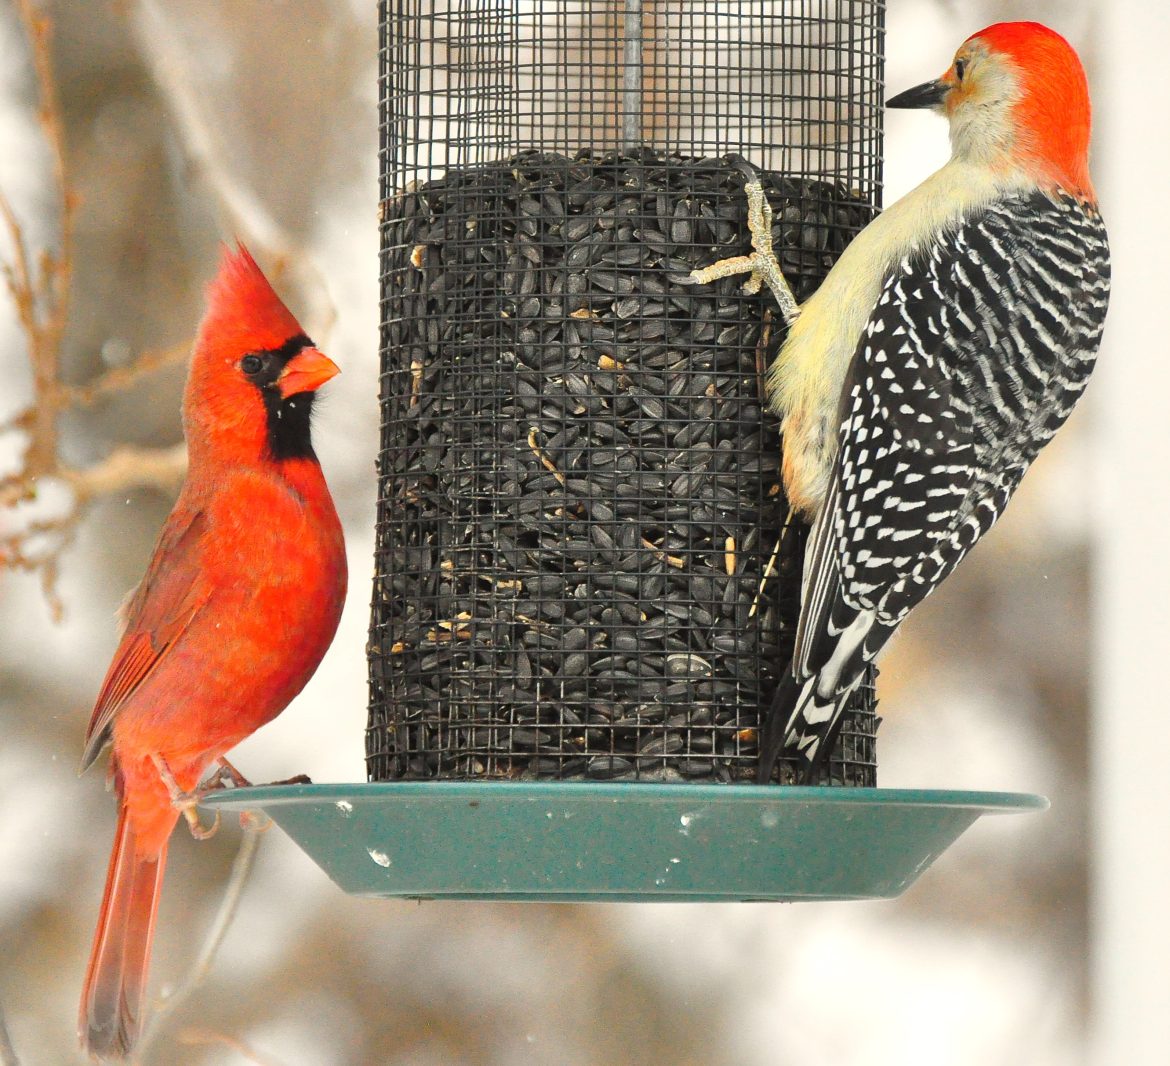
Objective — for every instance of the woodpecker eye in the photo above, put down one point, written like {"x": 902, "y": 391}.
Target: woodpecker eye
{"x": 960, "y": 67}
{"x": 251, "y": 364}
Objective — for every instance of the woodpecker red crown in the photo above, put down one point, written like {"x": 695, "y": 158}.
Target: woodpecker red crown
{"x": 1053, "y": 113}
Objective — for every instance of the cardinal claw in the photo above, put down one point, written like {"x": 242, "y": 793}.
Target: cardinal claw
{"x": 258, "y": 821}
{"x": 300, "y": 779}
{"x": 186, "y": 803}
{"x": 223, "y": 776}
{"x": 198, "y": 831}
{"x": 226, "y": 772}
{"x": 255, "y": 822}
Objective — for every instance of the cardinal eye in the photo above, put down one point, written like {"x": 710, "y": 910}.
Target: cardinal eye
{"x": 251, "y": 364}
{"x": 960, "y": 67}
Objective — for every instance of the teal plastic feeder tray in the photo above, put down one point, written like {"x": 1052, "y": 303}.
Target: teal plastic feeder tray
{"x": 580, "y": 842}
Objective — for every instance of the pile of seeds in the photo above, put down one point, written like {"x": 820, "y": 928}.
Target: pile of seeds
{"x": 583, "y": 564}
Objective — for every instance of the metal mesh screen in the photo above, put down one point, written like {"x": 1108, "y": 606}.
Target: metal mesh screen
{"x": 584, "y": 565}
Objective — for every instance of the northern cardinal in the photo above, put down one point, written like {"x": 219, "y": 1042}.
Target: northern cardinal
{"x": 239, "y": 604}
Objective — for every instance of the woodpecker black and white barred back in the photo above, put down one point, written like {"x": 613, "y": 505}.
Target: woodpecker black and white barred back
{"x": 945, "y": 348}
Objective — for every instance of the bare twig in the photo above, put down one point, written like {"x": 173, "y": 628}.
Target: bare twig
{"x": 209, "y": 1037}
{"x": 40, "y": 290}
{"x": 8, "y": 1056}
{"x": 40, "y": 286}
{"x": 121, "y": 378}
{"x": 197, "y": 974}
{"x": 245, "y": 211}
{"x": 128, "y": 468}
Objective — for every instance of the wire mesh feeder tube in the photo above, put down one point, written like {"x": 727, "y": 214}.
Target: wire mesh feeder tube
{"x": 584, "y": 566}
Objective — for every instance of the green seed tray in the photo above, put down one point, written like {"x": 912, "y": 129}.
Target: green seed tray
{"x": 576, "y": 842}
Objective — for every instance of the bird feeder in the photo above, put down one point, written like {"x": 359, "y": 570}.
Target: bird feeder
{"x": 587, "y": 578}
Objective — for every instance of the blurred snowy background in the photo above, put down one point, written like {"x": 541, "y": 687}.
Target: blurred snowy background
{"x": 187, "y": 123}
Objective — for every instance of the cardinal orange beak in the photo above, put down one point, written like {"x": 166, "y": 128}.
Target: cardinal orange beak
{"x": 306, "y": 371}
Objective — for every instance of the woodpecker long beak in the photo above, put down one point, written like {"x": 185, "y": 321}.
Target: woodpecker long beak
{"x": 929, "y": 94}
{"x": 306, "y": 371}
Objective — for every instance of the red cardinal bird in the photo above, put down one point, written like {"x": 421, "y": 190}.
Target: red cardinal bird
{"x": 240, "y": 602}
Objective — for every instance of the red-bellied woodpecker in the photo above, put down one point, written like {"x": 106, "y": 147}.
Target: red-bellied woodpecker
{"x": 942, "y": 352}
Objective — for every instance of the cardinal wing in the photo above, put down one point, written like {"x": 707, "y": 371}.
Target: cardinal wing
{"x": 158, "y": 612}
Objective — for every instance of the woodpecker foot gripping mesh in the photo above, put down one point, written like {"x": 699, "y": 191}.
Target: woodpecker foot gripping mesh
{"x": 762, "y": 265}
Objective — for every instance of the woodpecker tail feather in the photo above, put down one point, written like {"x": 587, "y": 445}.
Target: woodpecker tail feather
{"x": 801, "y": 726}
{"x": 773, "y": 726}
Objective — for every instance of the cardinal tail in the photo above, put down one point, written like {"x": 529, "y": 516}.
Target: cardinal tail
{"x": 115, "y": 983}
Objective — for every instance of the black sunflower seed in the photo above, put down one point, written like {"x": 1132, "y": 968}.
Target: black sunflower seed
{"x": 579, "y": 502}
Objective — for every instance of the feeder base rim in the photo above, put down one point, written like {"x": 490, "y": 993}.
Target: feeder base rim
{"x": 621, "y": 841}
